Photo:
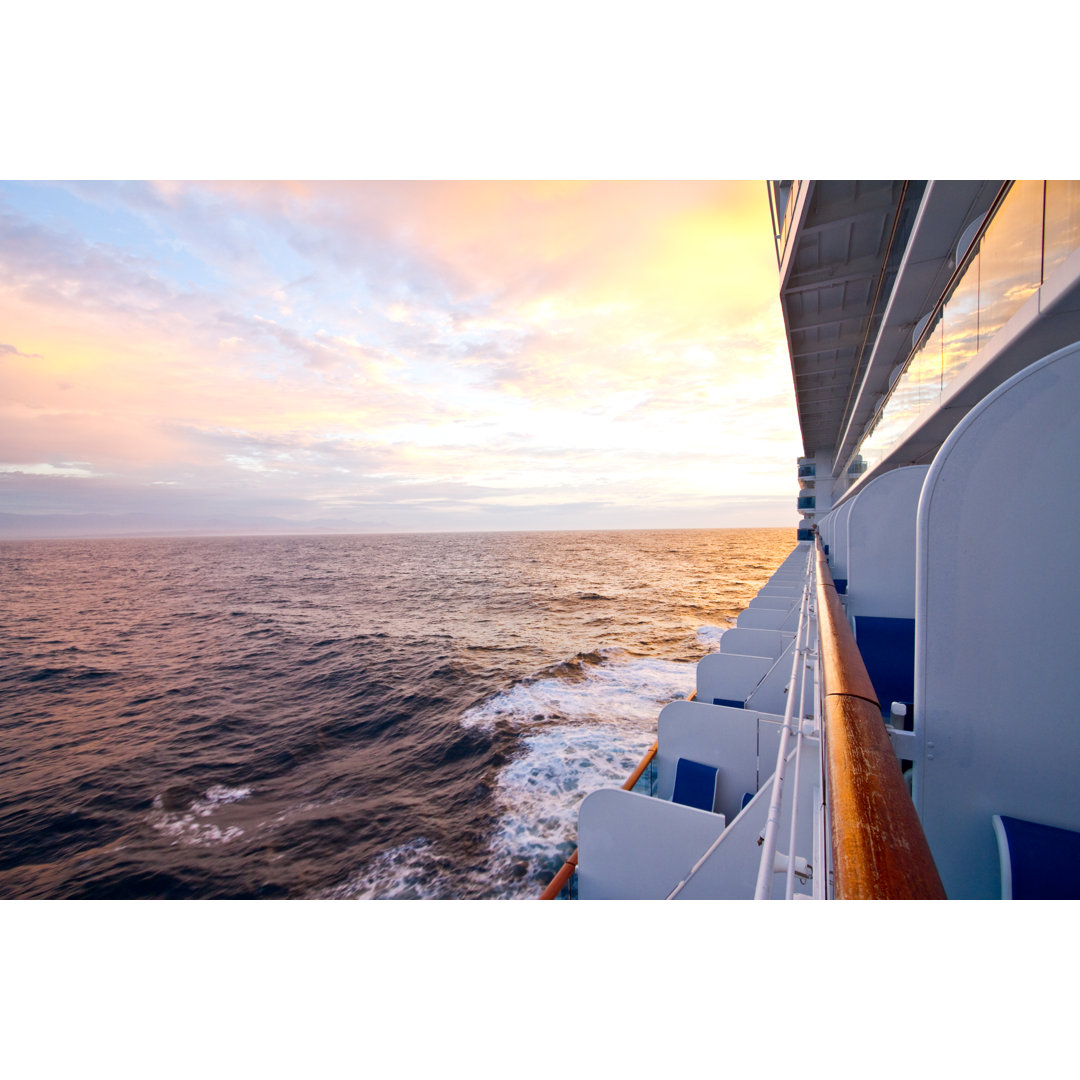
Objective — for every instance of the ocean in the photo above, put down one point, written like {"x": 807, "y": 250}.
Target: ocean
{"x": 353, "y": 717}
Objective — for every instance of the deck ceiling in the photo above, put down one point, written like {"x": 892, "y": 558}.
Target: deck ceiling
{"x": 828, "y": 296}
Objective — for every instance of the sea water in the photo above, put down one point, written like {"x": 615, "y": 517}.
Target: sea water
{"x": 370, "y": 716}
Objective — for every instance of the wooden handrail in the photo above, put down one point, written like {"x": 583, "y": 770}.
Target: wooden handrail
{"x": 568, "y": 867}
{"x": 878, "y": 846}
{"x": 561, "y": 878}
{"x": 642, "y": 765}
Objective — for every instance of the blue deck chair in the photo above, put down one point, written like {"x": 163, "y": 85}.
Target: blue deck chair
{"x": 888, "y": 650}
{"x": 695, "y": 784}
{"x": 1038, "y": 862}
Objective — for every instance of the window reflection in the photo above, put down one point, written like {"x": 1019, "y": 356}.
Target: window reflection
{"x": 1062, "y": 223}
{"x": 924, "y": 371}
{"x": 961, "y": 331}
{"x": 1011, "y": 257}
{"x": 786, "y": 194}
{"x": 1010, "y": 263}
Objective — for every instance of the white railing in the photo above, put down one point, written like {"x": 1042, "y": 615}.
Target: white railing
{"x": 808, "y": 666}
{"x": 803, "y": 671}
{"x": 767, "y": 866}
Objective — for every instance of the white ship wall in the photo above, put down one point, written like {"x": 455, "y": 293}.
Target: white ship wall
{"x": 997, "y": 670}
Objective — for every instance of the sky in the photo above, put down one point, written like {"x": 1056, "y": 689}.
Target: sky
{"x": 382, "y": 356}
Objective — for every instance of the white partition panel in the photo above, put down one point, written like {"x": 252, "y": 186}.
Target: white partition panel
{"x": 826, "y": 529}
{"x": 769, "y": 643}
{"x": 795, "y": 560}
{"x": 997, "y": 669}
{"x": 776, "y": 602}
{"x": 756, "y": 618}
{"x": 791, "y": 571}
{"x": 770, "y": 694}
{"x": 838, "y": 546}
{"x": 794, "y": 567}
{"x": 631, "y": 847}
{"x": 739, "y": 743}
{"x": 729, "y": 676}
{"x": 881, "y": 545}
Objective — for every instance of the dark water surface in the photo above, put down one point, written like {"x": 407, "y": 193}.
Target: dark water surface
{"x": 347, "y": 716}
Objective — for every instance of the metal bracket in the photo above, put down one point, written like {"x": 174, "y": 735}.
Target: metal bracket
{"x": 904, "y": 743}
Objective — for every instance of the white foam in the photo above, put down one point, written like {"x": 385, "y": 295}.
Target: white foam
{"x": 407, "y": 872}
{"x": 578, "y": 735}
{"x": 190, "y": 827}
{"x": 218, "y": 794}
{"x": 631, "y": 689}
{"x": 540, "y": 792}
{"x": 580, "y": 731}
{"x": 710, "y": 636}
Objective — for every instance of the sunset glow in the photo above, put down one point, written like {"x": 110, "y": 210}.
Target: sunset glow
{"x": 391, "y": 357}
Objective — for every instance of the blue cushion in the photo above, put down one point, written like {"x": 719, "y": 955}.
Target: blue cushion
{"x": 695, "y": 784}
{"x": 1042, "y": 860}
{"x": 888, "y": 650}
{"x": 730, "y": 702}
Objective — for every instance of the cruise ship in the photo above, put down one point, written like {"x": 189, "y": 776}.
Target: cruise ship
{"x": 891, "y": 716}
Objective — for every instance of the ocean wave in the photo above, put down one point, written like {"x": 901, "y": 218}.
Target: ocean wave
{"x": 454, "y": 697}
{"x": 630, "y": 689}
{"x": 541, "y": 791}
{"x": 582, "y": 726}
{"x": 75, "y": 673}
{"x": 574, "y": 668}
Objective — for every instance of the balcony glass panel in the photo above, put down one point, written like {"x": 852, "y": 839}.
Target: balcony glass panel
{"x": 1011, "y": 256}
{"x": 890, "y": 425}
{"x": 788, "y": 212}
{"x": 1062, "y": 223}
{"x": 960, "y": 335}
{"x": 1007, "y": 268}
{"x": 923, "y": 374}
{"x": 917, "y": 389}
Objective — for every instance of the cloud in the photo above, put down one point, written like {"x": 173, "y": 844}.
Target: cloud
{"x": 12, "y": 351}
{"x": 397, "y": 350}
{"x": 67, "y": 468}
